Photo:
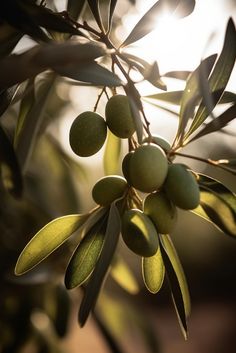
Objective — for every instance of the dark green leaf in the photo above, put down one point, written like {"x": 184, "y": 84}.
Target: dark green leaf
{"x": 17, "y": 68}
{"x": 85, "y": 255}
{"x": 177, "y": 281}
{"x": 92, "y": 73}
{"x": 148, "y": 22}
{"x": 32, "y": 123}
{"x": 218, "y": 203}
{"x": 26, "y": 104}
{"x": 217, "y": 123}
{"x": 191, "y": 96}
{"x": 111, "y": 157}
{"x": 94, "y": 6}
{"x": 10, "y": 170}
{"x": 6, "y": 97}
{"x": 219, "y": 77}
{"x": 227, "y": 97}
{"x": 48, "y": 239}
{"x": 9, "y": 38}
{"x": 111, "y": 12}
{"x": 75, "y": 7}
{"x": 153, "y": 272}
{"x": 97, "y": 278}
{"x": 123, "y": 275}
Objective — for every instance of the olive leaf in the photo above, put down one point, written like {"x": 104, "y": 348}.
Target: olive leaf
{"x": 153, "y": 271}
{"x": 219, "y": 76}
{"x": 112, "y": 7}
{"x": 6, "y": 97}
{"x": 75, "y": 7}
{"x": 97, "y": 278}
{"x": 148, "y": 22}
{"x": 177, "y": 281}
{"x": 94, "y": 6}
{"x": 112, "y": 153}
{"x": 9, "y": 39}
{"x": 85, "y": 255}
{"x": 10, "y": 171}
{"x": 218, "y": 204}
{"x": 123, "y": 275}
{"x": 191, "y": 96}
{"x": 47, "y": 240}
{"x": 179, "y": 75}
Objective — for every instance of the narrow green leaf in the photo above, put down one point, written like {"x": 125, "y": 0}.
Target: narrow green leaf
{"x": 92, "y": 73}
{"x": 97, "y": 278}
{"x": 220, "y": 75}
{"x": 94, "y": 6}
{"x": 111, "y": 157}
{"x": 48, "y": 239}
{"x": 32, "y": 123}
{"x": 185, "y": 8}
{"x": 148, "y": 22}
{"x": 85, "y": 255}
{"x": 191, "y": 95}
{"x": 123, "y": 275}
{"x": 218, "y": 203}
{"x": 217, "y": 123}
{"x": 173, "y": 97}
{"x": 75, "y": 7}
{"x": 153, "y": 272}
{"x": 9, "y": 38}
{"x": 26, "y": 104}
{"x": 10, "y": 170}
{"x": 111, "y": 12}
{"x": 179, "y": 75}
{"x": 6, "y": 97}
{"x": 177, "y": 281}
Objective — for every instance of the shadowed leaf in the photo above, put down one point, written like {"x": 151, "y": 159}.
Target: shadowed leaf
{"x": 75, "y": 7}
{"x": 10, "y": 170}
{"x": 94, "y": 6}
{"x": 153, "y": 272}
{"x": 177, "y": 281}
{"x": 6, "y": 97}
{"x": 97, "y": 278}
{"x": 9, "y": 38}
{"x": 111, "y": 12}
{"x": 48, "y": 239}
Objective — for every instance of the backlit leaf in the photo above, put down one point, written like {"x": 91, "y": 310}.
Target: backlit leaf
{"x": 148, "y": 22}
{"x": 111, "y": 12}
{"x": 94, "y": 6}
{"x": 219, "y": 76}
{"x": 218, "y": 203}
{"x": 85, "y": 255}
{"x": 97, "y": 278}
{"x": 10, "y": 170}
{"x": 153, "y": 272}
{"x": 111, "y": 157}
{"x": 48, "y": 239}
{"x": 123, "y": 275}
{"x": 177, "y": 281}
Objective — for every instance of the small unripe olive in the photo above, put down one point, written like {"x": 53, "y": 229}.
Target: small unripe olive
{"x": 181, "y": 187}
{"x": 148, "y": 168}
{"x": 119, "y": 117}
{"x": 160, "y": 141}
{"x": 87, "y": 134}
{"x": 125, "y": 166}
{"x": 139, "y": 233}
{"x": 108, "y": 189}
{"x": 161, "y": 211}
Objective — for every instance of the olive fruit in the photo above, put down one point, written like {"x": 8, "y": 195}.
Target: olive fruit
{"x": 158, "y": 140}
{"x": 139, "y": 233}
{"x": 161, "y": 211}
{"x": 119, "y": 117}
{"x": 108, "y": 189}
{"x": 125, "y": 166}
{"x": 148, "y": 168}
{"x": 87, "y": 134}
{"x": 181, "y": 187}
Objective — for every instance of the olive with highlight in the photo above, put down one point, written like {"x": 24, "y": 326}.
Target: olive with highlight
{"x": 108, "y": 189}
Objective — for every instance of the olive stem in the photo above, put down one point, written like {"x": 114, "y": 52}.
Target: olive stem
{"x": 98, "y": 98}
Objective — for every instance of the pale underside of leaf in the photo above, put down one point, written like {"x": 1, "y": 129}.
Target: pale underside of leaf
{"x": 153, "y": 272}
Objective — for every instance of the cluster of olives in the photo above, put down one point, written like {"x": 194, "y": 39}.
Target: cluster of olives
{"x": 89, "y": 130}
{"x": 148, "y": 168}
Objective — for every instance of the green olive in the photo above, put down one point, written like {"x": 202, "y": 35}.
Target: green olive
{"x": 161, "y": 211}
{"x": 87, "y": 134}
{"x": 139, "y": 233}
{"x": 119, "y": 117}
{"x": 160, "y": 141}
{"x": 108, "y": 189}
{"x": 125, "y": 166}
{"x": 181, "y": 187}
{"x": 148, "y": 168}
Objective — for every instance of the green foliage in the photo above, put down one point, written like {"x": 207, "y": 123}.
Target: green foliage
{"x": 39, "y": 179}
